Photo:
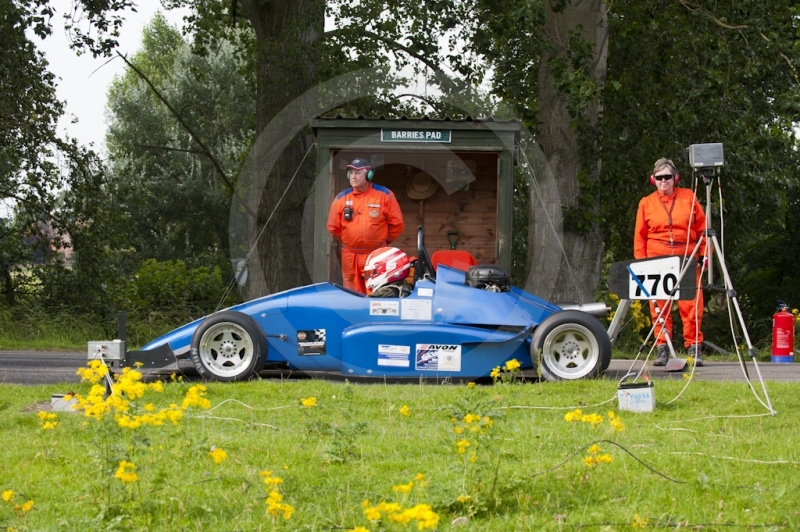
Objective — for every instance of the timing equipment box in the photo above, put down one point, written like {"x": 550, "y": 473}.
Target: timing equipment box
{"x": 107, "y": 350}
{"x": 706, "y": 155}
{"x": 637, "y": 397}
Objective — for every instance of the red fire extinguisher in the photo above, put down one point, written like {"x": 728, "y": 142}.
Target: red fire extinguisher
{"x": 783, "y": 334}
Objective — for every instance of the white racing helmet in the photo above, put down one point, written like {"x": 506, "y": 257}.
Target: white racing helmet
{"x": 384, "y": 266}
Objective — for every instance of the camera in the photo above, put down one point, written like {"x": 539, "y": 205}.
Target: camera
{"x": 348, "y": 213}
{"x": 705, "y": 156}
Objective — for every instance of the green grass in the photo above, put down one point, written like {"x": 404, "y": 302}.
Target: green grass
{"x": 732, "y": 467}
{"x": 33, "y": 328}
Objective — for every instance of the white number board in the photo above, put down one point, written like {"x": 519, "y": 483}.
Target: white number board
{"x": 654, "y": 278}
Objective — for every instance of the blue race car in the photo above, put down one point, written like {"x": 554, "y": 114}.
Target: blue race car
{"x": 454, "y": 325}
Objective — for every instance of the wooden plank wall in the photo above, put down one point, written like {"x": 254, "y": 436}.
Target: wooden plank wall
{"x": 472, "y": 211}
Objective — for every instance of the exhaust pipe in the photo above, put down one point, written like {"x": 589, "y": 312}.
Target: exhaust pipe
{"x": 598, "y": 310}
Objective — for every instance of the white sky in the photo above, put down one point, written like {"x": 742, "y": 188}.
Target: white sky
{"x": 84, "y": 80}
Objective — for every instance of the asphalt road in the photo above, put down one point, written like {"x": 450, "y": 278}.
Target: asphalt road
{"x": 44, "y": 367}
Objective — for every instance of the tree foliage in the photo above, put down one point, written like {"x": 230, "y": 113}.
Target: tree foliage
{"x": 175, "y": 199}
{"x": 690, "y": 73}
{"x": 678, "y": 73}
{"x": 29, "y": 111}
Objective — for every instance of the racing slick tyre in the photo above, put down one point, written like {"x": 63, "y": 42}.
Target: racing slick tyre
{"x": 573, "y": 345}
{"x": 228, "y": 346}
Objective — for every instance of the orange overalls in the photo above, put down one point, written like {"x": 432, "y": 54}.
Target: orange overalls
{"x": 375, "y": 221}
{"x": 662, "y": 228}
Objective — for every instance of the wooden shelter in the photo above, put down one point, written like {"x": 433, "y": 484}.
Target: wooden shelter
{"x": 453, "y": 177}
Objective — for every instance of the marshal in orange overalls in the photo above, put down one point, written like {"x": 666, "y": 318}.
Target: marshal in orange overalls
{"x": 376, "y": 220}
{"x": 671, "y": 225}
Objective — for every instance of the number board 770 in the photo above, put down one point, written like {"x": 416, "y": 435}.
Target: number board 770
{"x": 655, "y": 278}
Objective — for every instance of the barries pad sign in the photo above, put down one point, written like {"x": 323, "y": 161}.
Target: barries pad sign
{"x": 415, "y": 135}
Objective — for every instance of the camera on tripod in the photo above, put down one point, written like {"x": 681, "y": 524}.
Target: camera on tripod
{"x": 705, "y": 158}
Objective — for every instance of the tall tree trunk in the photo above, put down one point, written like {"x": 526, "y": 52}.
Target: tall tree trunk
{"x": 287, "y": 32}
{"x": 568, "y": 137}
{"x": 8, "y": 287}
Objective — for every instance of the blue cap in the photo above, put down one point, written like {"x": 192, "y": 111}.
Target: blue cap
{"x": 359, "y": 163}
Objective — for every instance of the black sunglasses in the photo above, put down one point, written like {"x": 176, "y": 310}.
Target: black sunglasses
{"x": 662, "y": 177}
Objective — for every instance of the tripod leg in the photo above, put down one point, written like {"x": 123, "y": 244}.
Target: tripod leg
{"x": 732, "y": 294}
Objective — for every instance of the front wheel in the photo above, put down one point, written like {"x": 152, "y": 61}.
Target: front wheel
{"x": 573, "y": 345}
{"x": 228, "y": 346}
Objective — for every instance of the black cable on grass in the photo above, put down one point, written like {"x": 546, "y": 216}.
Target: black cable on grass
{"x": 615, "y": 444}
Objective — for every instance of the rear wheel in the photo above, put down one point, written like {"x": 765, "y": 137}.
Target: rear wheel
{"x": 228, "y": 346}
{"x": 573, "y": 345}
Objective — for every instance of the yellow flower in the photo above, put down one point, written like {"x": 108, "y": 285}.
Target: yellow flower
{"x": 196, "y": 396}
{"x": 512, "y": 365}
{"x": 269, "y": 480}
{"x": 690, "y": 360}
{"x": 458, "y": 430}
{"x": 424, "y": 515}
{"x": 604, "y": 458}
{"x": 94, "y": 373}
{"x": 218, "y": 455}
{"x": 49, "y": 425}
{"x": 8, "y": 495}
{"x": 593, "y": 419}
{"x": 470, "y": 385}
{"x": 639, "y": 522}
{"x": 129, "y": 384}
{"x": 126, "y": 472}
{"x": 372, "y": 514}
{"x": 277, "y": 508}
{"x": 495, "y": 372}
{"x": 359, "y": 529}
{"x": 403, "y": 488}
{"x": 473, "y": 457}
{"x": 405, "y": 411}
{"x": 589, "y": 461}
{"x": 23, "y": 508}
{"x": 594, "y": 449}
{"x": 575, "y": 415}
{"x": 462, "y": 446}
{"x": 309, "y": 402}
{"x": 464, "y": 498}
{"x": 403, "y": 517}
{"x": 469, "y": 418}
{"x": 419, "y": 476}
{"x": 617, "y": 424}
{"x": 389, "y": 507}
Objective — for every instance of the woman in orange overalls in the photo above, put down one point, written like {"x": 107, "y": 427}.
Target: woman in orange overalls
{"x": 669, "y": 222}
